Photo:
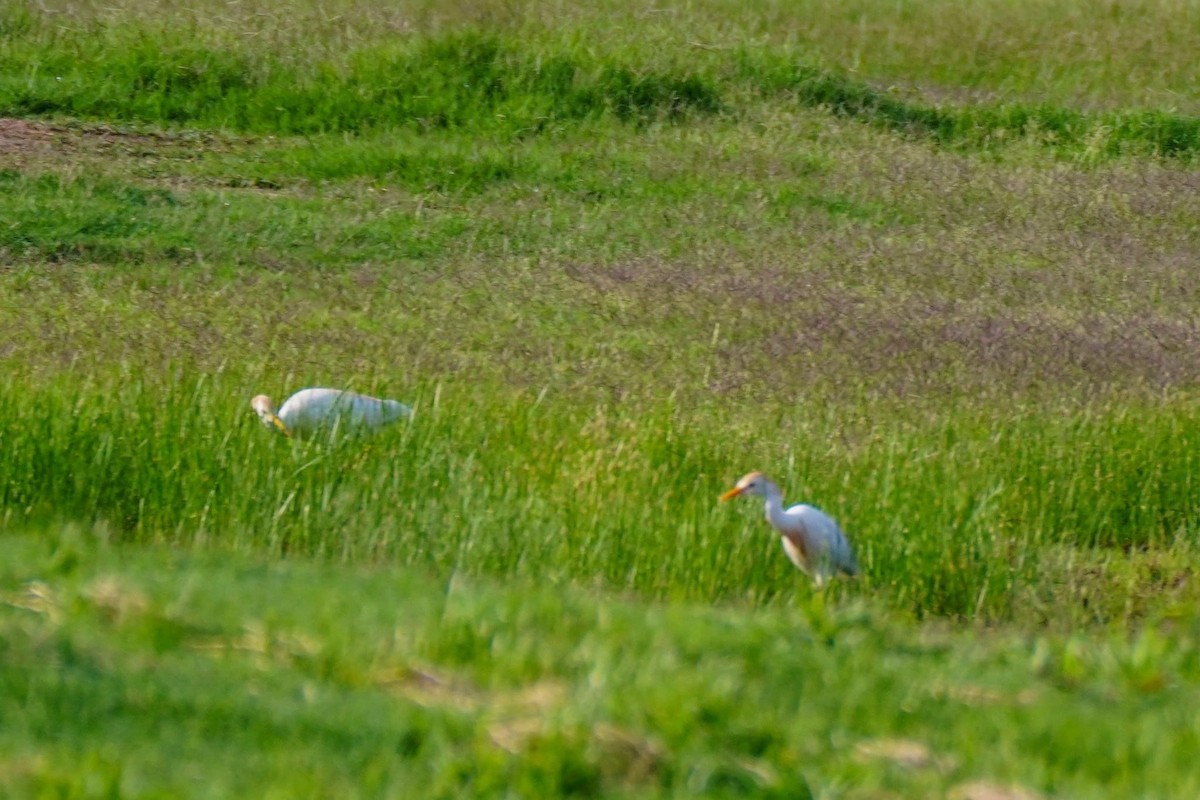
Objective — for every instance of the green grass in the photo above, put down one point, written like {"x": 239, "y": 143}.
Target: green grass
{"x": 615, "y": 257}
{"x": 955, "y": 519}
{"x": 513, "y": 83}
{"x": 151, "y": 673}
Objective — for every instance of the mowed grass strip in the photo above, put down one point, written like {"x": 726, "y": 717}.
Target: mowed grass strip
{"x": 145, "y": 671}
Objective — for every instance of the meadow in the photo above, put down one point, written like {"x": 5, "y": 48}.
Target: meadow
{"x": 929, "y": 265}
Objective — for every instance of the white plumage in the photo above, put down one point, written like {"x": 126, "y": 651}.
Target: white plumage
{"x": 310, "y": 410}
{"x": 810, "y": 537}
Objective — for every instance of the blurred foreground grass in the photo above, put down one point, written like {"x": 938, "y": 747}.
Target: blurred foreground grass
{"x": 148, "y": 672}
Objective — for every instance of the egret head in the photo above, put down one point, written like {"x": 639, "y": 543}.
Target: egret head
{"x": 751, "y": 483}
{"x": 266, "y": 413}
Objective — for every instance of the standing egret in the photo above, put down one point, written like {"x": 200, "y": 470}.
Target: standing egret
{"x": 309, "y": 410}
{"x": 810, "y": 537}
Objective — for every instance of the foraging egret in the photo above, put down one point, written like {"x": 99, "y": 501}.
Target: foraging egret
{"x": 309, "y": 410}
{"x": 810, "y": 537}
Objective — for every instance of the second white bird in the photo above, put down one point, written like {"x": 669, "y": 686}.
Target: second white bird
{"x": 810, "y": 537}
{"x": 310, "y": 410}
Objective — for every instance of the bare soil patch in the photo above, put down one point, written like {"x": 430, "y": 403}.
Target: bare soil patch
{"x": 18, "y": 136}
{"x": 22, "y": 140}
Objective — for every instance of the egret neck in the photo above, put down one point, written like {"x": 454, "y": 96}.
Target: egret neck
{"x": 774, "y": 505}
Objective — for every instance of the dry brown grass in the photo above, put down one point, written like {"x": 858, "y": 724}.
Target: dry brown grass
{"x": 1018, "y": 274}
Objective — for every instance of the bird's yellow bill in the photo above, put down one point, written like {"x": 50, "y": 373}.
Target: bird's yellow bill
{"x": 279, "y": 424}
{"x": 732, "y": 493}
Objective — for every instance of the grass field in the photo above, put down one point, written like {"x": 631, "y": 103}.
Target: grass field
{"x": 615, "y": 257}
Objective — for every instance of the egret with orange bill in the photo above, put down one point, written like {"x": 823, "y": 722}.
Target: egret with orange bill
{"x": 810, "y": 537}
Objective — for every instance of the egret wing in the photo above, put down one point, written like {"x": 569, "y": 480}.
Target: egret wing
{"x": 828, "y": 548}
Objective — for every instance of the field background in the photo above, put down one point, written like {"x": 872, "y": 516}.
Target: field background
{"x": 930, "y": 265}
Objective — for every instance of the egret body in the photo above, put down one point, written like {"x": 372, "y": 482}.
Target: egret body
{"x": 310, "y": 410}
{"x": 810, "y": 537}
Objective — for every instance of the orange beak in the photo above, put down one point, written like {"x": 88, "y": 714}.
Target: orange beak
{"x": 732, "y": 493}
{"x": 279, "y": 424}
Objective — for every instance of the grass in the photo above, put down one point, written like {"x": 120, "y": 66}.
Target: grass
{"x": 519, "y": 81}
{"x": 950, "y": 520}
{"x": 157, "y": 672}
{"x": 944, "y": 293}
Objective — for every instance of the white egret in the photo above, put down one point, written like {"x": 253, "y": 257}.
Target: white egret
{"x": 310, "y": 410}
{"x": 810, "y": 537}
